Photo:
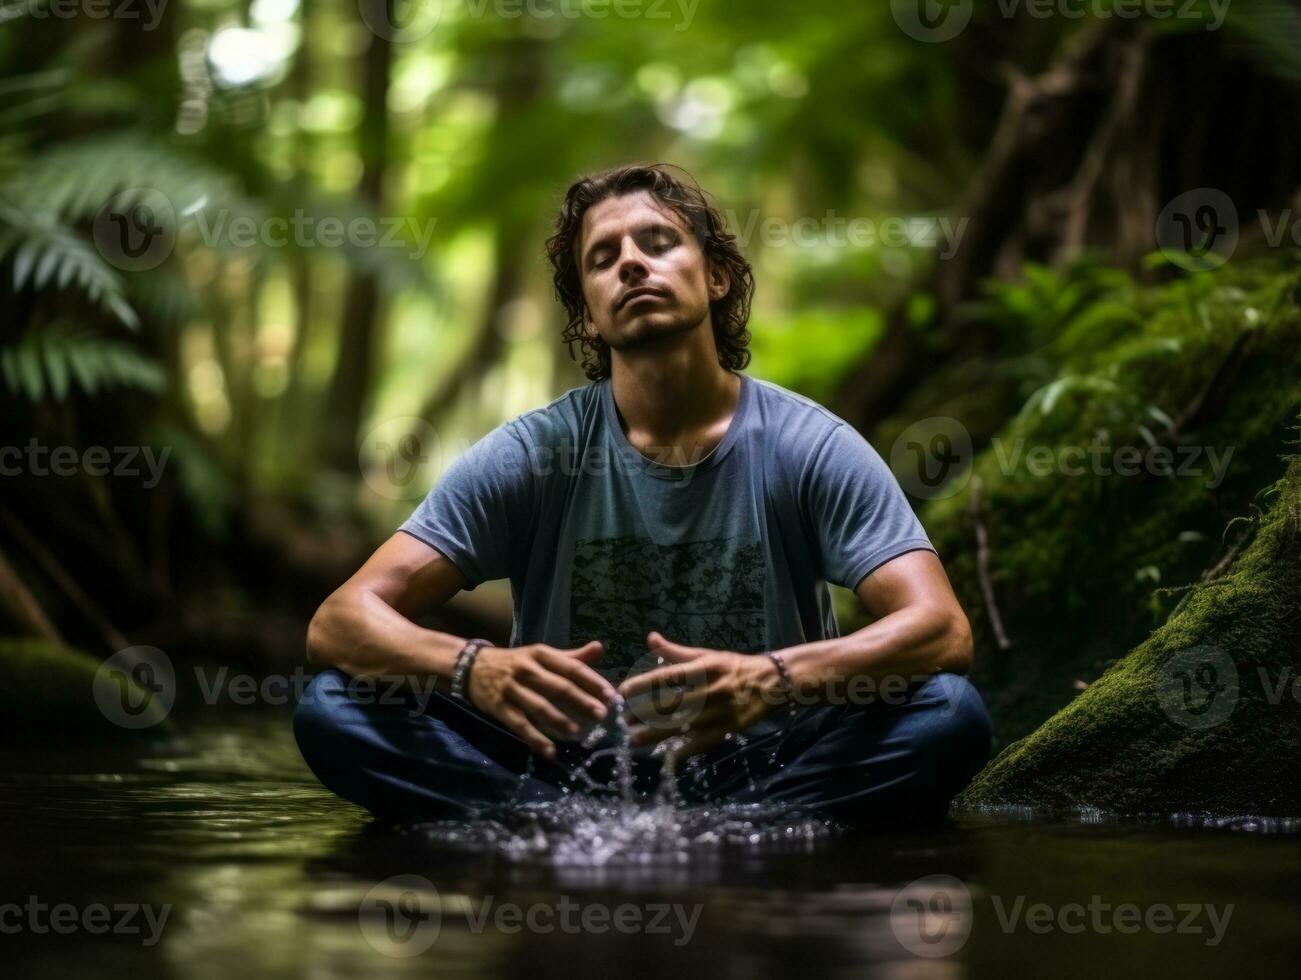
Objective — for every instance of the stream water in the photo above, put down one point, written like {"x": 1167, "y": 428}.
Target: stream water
{"x": 218, "y": 855}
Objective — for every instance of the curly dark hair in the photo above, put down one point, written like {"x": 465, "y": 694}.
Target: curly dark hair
{"x": 728, "y": 314}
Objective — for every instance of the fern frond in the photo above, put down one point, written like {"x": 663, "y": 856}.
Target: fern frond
{"x": 51, "y": 360}
{"x": 45, "y": 253}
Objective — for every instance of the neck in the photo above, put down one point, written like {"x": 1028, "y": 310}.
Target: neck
{"x": 678, "y": 400}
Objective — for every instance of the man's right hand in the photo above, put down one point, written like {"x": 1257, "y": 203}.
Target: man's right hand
{"x": 539, "y": 690}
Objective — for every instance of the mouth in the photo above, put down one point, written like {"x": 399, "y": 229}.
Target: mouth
{"x": 641, "y": 293}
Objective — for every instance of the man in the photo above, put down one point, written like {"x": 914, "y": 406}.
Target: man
{"x": 670, "y": 526}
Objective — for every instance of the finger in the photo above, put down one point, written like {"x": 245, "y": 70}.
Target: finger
{"x": 589, "y": 653}
{"x": 671, "y": 706}
{"x": 528, "y": 734}
{"x": 687, "y": 674}
{"x": 658, "y": 643}
{"x": 560, "y": 690}
{"x": 581, "y": 674}
{"x": 542, "y": 711}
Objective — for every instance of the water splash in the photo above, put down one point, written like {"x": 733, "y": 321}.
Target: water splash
{"x": 589, "y": 832}
{"x": 612, "y": 826}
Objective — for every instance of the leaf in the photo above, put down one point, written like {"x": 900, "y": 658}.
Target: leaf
{"x": 23, "y": 262}
{"x": 45, "y": 245}
{"x": 46, "y": 265}
{"x": 56, "y": 367}
{"x": 9, "y": 364}
{"x": 122, "y": 310}
{"x": 1161, "y": 417}
{"x": 82, "y": 360}
{"x": 29, "y": 367}
{"x": 53, "y": 361}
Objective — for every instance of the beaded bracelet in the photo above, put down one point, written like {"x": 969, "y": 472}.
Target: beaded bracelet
{"x": 461, "y": 668}
{"x": 788, "y": 688}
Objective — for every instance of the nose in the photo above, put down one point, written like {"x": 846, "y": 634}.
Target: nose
{"x": 632, "y": 265}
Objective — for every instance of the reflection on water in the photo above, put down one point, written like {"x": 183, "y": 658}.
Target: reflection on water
{"x": 604, "y": 840}
{"x": 264, "y": 874}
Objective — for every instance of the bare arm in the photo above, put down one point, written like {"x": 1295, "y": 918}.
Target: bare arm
{"x": 365, "y": 628}
{"x": 919, "y": 629}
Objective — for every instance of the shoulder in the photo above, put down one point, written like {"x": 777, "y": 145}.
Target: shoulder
{"x": 560, "y": 421}
{"x": 557, "y": 431}
{"x": 800, "y": 428}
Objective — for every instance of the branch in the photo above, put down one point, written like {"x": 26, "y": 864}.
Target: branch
{"x": 982, "y": 569}
{"x": 17, "y": 601}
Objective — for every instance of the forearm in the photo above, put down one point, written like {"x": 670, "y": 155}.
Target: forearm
{"x": 903, "y": 646}
{"x": 362, "y": 635}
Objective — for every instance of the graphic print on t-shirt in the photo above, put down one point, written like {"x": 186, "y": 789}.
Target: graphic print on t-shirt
{"x": 697, "y": 593}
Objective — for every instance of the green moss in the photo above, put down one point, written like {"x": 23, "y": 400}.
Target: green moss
{"x": 1136, "y": 740}
{"x": 50, "y": 689}
{"x": 1078, "y": 563}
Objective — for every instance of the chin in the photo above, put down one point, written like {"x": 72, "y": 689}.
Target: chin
{"x": 650, "y": 327}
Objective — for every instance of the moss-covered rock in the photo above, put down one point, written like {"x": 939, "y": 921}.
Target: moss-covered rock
{"x": 1085, "y": 559}
{"x": 1205, "y": 715}
{"x": 50, "y": 689}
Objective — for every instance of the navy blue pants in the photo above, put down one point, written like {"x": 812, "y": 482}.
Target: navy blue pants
{"x": 894, "y": 760}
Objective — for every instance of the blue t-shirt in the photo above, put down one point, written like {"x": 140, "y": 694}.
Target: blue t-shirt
{"x": 731, "y": 552}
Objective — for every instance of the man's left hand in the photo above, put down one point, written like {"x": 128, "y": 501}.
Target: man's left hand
{"x": 699, "y": 694}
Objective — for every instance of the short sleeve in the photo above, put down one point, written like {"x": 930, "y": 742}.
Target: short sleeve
{"x": 480, "y": 512}
{"x": 859, "y": 512}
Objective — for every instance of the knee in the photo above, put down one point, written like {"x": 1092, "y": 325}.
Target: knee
{"x": 958, "y": 730}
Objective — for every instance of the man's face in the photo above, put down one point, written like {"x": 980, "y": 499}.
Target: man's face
{"x": 644, "y": 275}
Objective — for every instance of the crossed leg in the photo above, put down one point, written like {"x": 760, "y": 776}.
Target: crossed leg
{"x": 897, "y": 760}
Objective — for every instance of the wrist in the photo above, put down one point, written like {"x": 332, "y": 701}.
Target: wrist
{"x": 779, "y": 690}
{"x": 463, "y": 666}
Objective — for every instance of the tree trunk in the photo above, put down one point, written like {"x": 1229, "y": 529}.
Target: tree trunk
{"x": 1084, "y": 157}
{"x": 359, "y": 329}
